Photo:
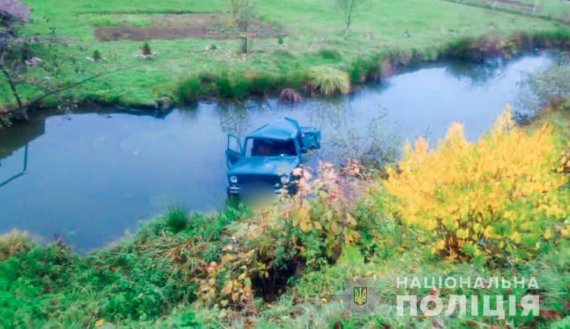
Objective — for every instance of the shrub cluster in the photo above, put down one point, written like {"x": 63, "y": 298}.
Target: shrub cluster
{"x": 501, "y": 198}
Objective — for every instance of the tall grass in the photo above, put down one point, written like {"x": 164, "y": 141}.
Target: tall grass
{"x": 188, "y": 91}
{"x": 329, "y": 81}
{"x": 14, "y": 242}
{"x": 176, "y": 219}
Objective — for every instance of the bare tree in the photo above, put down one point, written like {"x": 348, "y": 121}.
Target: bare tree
{"x": 241, "y": 14}
{"x": 346, "y": 9}
{"x": 39, "y": 68}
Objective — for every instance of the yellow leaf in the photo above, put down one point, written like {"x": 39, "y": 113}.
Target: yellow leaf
{"x": 516, "y": 237}
{"x": 318, "y": 225}
{"x": 548, "y": 234}
{"x": 305, "y": 226}
{"x": 439, "y": 245}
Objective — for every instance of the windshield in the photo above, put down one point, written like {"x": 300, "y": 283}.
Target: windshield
{"x": 270, "y": 147}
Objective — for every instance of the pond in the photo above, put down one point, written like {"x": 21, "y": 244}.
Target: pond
{"x": 92, "y": 175}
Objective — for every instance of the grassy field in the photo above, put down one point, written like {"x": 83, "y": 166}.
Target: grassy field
{"x": 551, "y": 9}
{"x": 310, "y": 31}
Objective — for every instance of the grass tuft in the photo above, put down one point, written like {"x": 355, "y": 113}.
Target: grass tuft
{"x": 189, "y": 90}
{"x": 14, "y": 242}
{"x": 176, "y": 219}
{"x": 329, "y": 81}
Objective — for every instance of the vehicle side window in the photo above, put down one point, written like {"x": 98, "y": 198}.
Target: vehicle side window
{"x": 234, "y": 144}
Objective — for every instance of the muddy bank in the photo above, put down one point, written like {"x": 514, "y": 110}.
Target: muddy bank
{"x": 211, "y": 26}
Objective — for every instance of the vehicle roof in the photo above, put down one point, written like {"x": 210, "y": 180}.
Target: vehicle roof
{"x": 282, "y": 129}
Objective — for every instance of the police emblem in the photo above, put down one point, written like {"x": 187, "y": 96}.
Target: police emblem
{"x": 359, "y": 295}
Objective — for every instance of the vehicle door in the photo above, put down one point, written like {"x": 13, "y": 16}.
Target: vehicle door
{"x": 234, "y": 151}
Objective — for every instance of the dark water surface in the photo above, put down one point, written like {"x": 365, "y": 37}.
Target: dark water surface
{"x": 92, "y": 176}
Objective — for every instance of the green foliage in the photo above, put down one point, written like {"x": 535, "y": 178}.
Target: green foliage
{"x": 28, "y": 281}
{"x": 146, "y": 50}
{"x": 176, "y": 219}
{"x": 330, "y": 54}
{"x": 561, "y": 324}
{"x": 140, "y": 279}
{"x": 362, "y": 68}
{"x": 329, "y": 81}
{"x": 97, "y": 55}
{"x": 478, "y": 49}
{"x": 189, "y": 90}
{"x": 261, "y": 83}
{"x": 232, "y": 87}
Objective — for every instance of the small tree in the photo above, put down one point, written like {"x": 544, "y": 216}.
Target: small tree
{"x": 241, "y": 13}
{"x": 146, "y": 50}
{"x": 346, "y": 9}
{"x": 97, "y": 56}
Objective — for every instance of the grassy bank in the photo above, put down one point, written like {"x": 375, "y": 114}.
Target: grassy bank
{"x": 546, "y": 9}
{"x": 305, "y": 35}
{"x": 475, "y": 213}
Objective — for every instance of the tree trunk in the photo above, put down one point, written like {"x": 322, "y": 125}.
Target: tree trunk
{"x": 244, "y": 43}
{"x": 12, "y": 87}
{"x": 348, "y": 22}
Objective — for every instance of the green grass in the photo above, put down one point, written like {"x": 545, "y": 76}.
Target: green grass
{"x": 146, "y": 282}
{"x": 551, "y": 9}
{"x": 314, "y": 38}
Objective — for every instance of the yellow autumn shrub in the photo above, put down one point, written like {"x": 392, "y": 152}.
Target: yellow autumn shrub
{"x": 501, "y": 197}
{"x": 323, "y": 205}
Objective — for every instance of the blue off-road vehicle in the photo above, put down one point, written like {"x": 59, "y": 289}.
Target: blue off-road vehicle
{"x": 268, "y": 156}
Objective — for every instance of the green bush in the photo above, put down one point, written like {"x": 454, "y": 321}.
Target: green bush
{"x": 146, "y": 50}
{"x": 362, "y": 68}
{"x": 189, "y": 90}
{"x": 262, "y": 83}
{"x": 97, "y": 55}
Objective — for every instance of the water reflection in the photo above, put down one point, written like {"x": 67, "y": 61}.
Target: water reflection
{"x": 477, "y": 75}
{"x": 22, "y": 172}
{"x": 95, "y": 174}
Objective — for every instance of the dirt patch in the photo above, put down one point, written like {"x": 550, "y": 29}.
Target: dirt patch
{"x": 194, "y": 26}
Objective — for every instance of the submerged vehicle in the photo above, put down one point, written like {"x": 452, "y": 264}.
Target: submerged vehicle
{"x": 268, "y": 156}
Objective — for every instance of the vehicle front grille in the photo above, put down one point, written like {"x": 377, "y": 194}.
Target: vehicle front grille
{"x": 258, "y": 179}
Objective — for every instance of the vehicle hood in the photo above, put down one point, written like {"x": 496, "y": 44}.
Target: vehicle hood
{"x": 265, "y": 166}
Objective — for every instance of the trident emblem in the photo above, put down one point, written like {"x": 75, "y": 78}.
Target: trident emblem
{"x": 359, "y": 295}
